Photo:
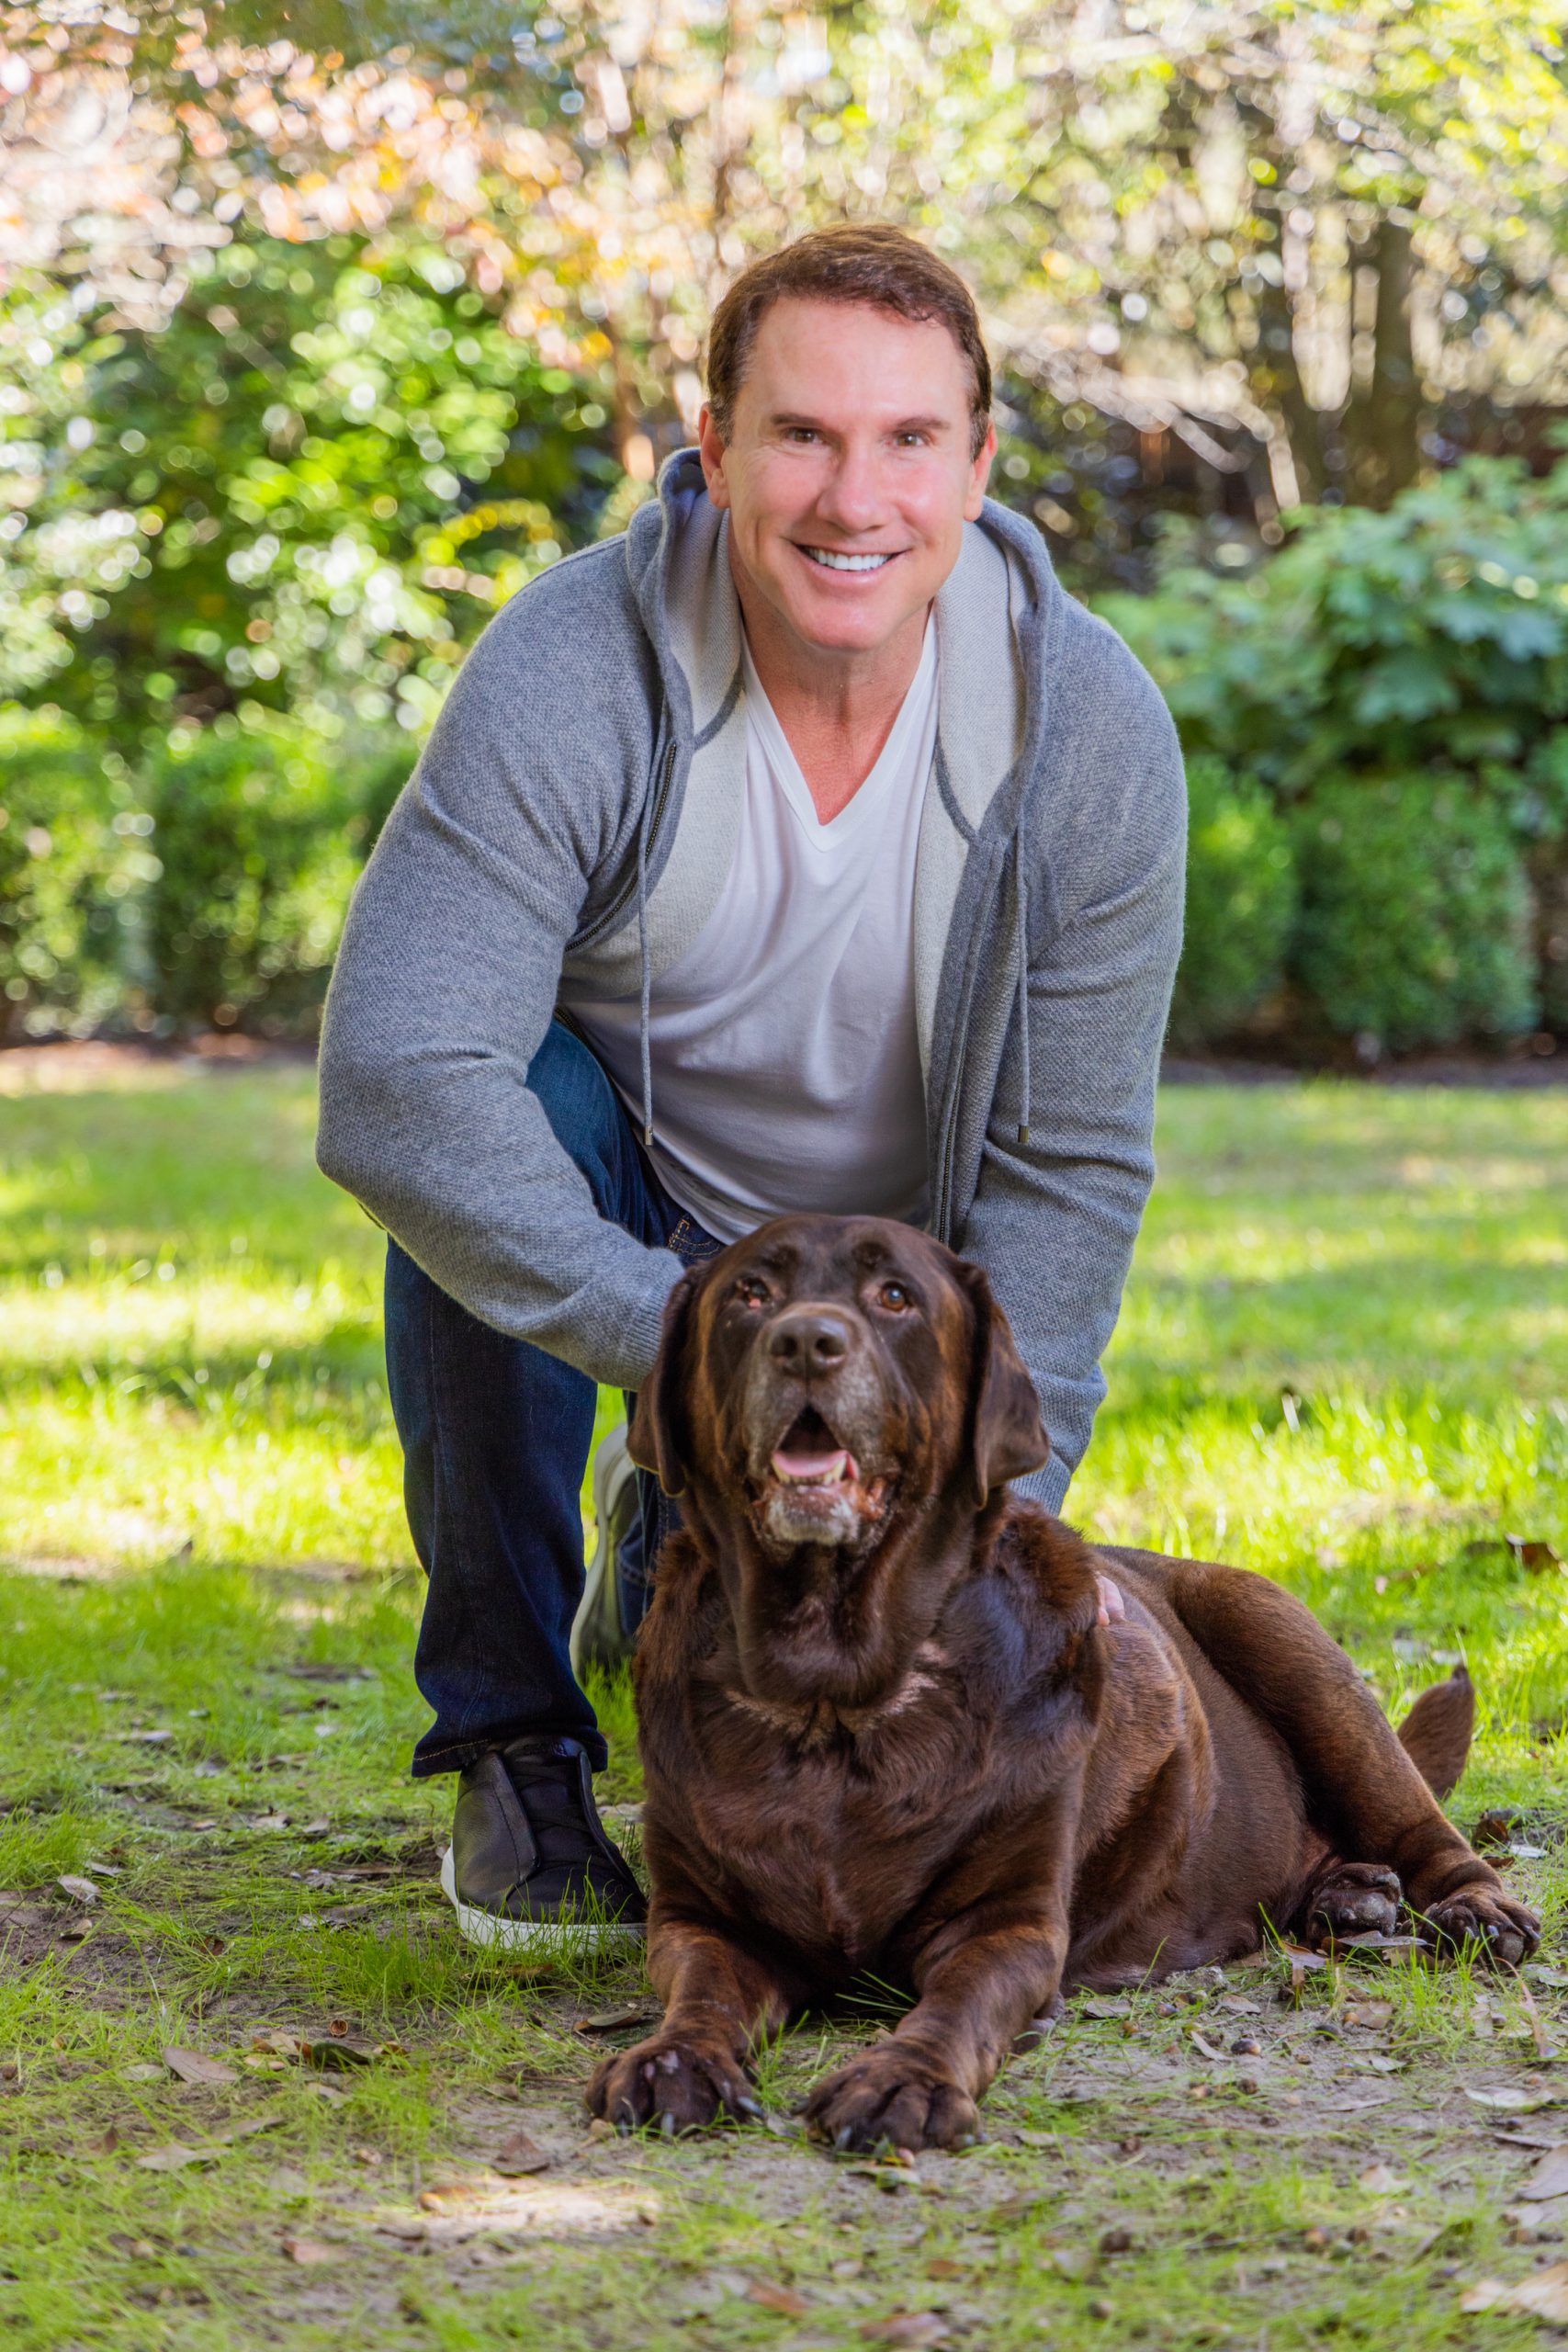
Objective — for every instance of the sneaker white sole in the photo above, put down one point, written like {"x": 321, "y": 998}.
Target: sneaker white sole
{"x": 477, "y": 1926}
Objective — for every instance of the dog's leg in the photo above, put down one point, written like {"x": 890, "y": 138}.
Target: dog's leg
{"x": 719, "y": 1998}
{"x": 982, "y": 1975}
{"x": 1362, "y": 1789}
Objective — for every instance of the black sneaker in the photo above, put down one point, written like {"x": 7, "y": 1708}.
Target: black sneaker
{"x": 529, "y": 1861}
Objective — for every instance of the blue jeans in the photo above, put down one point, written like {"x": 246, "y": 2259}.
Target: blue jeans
{"x": 496, "y": 1436}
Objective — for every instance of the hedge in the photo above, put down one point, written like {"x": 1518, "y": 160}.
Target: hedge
{"x": 209, "y": 887}
{"x": 1241, "y": 905}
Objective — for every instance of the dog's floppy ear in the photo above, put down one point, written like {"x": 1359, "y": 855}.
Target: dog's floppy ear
{"x": 656, "y": 1437}
{"x": 1007, "y": 1434}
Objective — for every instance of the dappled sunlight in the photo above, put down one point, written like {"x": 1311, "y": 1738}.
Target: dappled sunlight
{"x": 488, "y": 2208}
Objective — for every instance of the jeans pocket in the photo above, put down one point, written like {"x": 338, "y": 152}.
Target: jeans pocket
{"x": 691, "y": 1244}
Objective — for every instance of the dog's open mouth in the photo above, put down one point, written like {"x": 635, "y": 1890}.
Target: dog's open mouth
{"x": 813, "y": 1485}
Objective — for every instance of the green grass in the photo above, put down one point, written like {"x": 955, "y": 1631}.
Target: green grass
{"x": 1344, "y": 1360}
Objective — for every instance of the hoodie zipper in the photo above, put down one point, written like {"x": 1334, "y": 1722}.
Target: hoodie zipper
{"x": 627, "y": 891}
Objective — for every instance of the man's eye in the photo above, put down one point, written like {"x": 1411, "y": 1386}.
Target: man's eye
{"x": 894, "y": 1296}
{"x": 752, "y": 1292}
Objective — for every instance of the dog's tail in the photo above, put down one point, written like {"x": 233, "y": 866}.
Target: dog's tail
{"x": 1437, "y": 1733}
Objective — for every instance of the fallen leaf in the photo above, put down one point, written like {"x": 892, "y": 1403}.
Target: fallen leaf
{"x": 774, "y": 2298}
{"x": 339, "y": 2057}
{"x": 1545, "y": 2295}
{"x": 144, "y": 1738}
{"x": 1549, "y": 1975}
{"x": 267, "y": 1821}
{"x": 1381, "y": 2065}
{"x": 942, "y": 2265}
{"x": 517, "y": 2155}
{"x": 248, "y": 2129}
{"x": 80, "y": 1890}
{"x": 907, "y": 2327}
{"x": 1381, "y": 2180}
{"x": 1550, "y": 2178}
{"x": 1369, "y": 2013}
{"x": 106, "y": 2145}
{"x": 1113, "y": 2007}
{"x": 1205, "y": 2049}
{"x": 175, "y": 2157}
{"x": 1517, "y": 2102}
{"x": 192, "y": 2067}
{"x": 617, "y": 2020}
{"x": 1533, "y": 1552}
{"x": 784, "y": 2126}
{"x": 1494, "y": 1827}
{"x": 141, "y": 2073}
{"x": 309, "y": 2251}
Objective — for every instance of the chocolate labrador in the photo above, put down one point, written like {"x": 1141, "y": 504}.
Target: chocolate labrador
{"x": 886, "y": 1729}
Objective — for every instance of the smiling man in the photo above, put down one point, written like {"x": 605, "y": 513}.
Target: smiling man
{"x": 806, "y": 849}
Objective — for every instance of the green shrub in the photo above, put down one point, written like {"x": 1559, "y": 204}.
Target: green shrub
{"x": 1241, "y": 903}
{"x": 1414, "y": 924}
{"x": 69, "y": 857}
{"x": 258, "y": 856}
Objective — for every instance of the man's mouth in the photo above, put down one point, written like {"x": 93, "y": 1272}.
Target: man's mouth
{"x": 831, "y": 559}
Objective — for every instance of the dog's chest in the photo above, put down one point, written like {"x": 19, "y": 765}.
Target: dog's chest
{"x": 832, "y": 1841}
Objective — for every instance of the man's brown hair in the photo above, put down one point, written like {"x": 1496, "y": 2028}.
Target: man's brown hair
{"x": 875, "y": 264}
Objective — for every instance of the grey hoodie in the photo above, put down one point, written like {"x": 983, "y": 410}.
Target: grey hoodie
{"x": 575, "y": 811}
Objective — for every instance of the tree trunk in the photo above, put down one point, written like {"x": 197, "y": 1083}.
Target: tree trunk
{"x": 1384, "y": 415}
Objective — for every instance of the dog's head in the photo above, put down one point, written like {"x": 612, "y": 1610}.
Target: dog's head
{"x": 828, "y": 1391}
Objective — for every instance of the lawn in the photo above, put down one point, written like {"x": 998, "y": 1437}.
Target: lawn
{"x": 1344, "y": 1361}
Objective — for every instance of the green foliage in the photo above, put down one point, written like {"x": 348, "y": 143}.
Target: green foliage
{"x": 1435, "y": 632}
{"x": 1241, "y": 901}
{"x": 1415, "y": 923}
{"x": 69, "y": 858}
{"x": 257, "y": 859}
{"x": 316, "y": 481}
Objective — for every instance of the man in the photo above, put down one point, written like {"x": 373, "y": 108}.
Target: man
{"x": 807, "y": 848}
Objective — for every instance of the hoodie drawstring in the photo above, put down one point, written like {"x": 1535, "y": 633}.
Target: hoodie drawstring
{"x": 1020, "y": 903}
{"x": 643, "y": 1044}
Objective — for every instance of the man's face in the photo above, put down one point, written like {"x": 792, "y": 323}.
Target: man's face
{"x": 848, "y": 477}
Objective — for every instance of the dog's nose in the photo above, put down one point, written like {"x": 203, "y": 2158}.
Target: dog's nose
{"x": 808, "y": 1339}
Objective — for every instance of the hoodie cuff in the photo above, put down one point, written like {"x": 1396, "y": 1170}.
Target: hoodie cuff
{"x": 1047, "y": 1485}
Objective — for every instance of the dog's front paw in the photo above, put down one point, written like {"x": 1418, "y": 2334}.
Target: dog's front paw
{"x": 674, "y": 2082}
{"x": 1352, "y": 1899}
{"x": 892, "y": 2095}
{"x": 1506, "y": 1930}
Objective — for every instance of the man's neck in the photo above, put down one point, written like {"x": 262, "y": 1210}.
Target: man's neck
{"x": 837, "y": 709}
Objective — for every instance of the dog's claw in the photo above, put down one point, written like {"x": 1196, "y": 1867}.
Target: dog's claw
{"x": 667, "y": 2124}
{"x": 750, "y": 2108}
{"x": 843, "y": 2136}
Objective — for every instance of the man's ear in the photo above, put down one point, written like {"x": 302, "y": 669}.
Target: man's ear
{"x": 1006, "y": 1436}
{"x": 656, "y": 1437}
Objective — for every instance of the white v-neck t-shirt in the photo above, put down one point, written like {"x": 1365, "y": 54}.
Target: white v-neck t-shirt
{"x": 786, "y": 1061}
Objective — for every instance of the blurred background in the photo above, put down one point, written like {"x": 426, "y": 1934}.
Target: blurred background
{"x": 325, "y": 327}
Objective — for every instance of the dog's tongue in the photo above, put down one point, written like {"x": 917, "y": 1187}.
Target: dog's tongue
{"x": 801, "y": 1465}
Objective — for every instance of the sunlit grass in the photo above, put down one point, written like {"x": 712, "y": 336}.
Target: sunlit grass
{"x": 1344, "y": 1360}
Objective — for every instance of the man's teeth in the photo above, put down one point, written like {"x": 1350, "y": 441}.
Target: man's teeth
{"x": 814, "y": 1469}
{"x": 846, "y": 562}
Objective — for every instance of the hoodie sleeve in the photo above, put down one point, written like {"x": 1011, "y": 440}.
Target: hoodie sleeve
{"x": 446, "y": 979}
{"x": 1055, "y": 1218}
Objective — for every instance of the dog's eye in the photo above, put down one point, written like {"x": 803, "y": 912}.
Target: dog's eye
{"x": 895, "y": 1297}
{"x": 752, "y": 1292}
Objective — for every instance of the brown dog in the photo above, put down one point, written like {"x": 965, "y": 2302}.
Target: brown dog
{"x": 883, "y": 1731}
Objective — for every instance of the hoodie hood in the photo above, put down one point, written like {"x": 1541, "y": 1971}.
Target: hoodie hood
{"x": 997, "y": 615}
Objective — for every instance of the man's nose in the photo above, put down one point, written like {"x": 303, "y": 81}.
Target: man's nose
{"x": 809, "y": 1339}
{"x": 852, "y": 496}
